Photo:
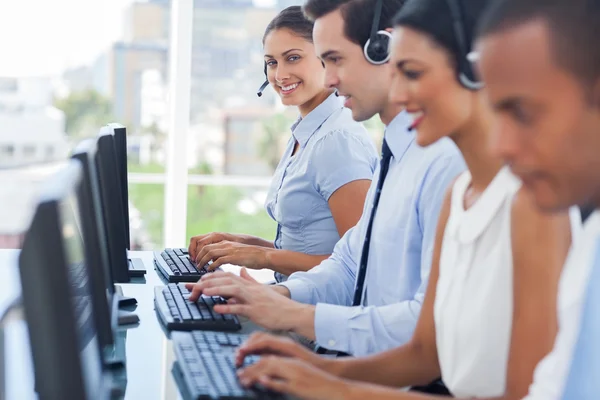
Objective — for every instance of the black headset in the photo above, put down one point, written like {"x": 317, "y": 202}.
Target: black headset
{"x": 377, "y": 48}
{"x": 264, "y": 85}
{"x": 466, "y": 74}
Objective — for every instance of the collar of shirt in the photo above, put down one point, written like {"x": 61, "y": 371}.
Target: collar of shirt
{"x": 397, "y": 135}
{"x": 304, "y": 128}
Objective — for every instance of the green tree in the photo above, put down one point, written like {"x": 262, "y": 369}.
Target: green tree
{"x": 275, "y": 128}
{"x": 212, "y": 209}
{"x": 85, "y": 112}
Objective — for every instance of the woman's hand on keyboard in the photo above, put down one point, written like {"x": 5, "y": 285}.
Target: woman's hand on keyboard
{"x": 295, "y": 377}
{"x": 226, "y": 252}
{"x": 197, "y": 243}
{"x": 262, "y": 343}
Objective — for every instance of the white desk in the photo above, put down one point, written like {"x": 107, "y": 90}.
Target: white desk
{"x": 149, "y": 352}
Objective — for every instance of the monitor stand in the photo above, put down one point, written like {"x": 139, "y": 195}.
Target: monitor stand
{"x": 115, "y": 362}
{"x": 114, "y": 357}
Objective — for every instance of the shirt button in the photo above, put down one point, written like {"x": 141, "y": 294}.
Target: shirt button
{"x": 331, "y": 343}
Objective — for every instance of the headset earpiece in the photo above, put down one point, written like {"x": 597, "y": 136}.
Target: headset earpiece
{"x": 377, "y": 48}
{"x": 377, "y": 51}
{"x": 466, "y": 73}
{"x": 469, "y": 82}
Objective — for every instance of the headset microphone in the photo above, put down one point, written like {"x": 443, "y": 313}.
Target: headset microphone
{"x": 264, "y": 85}
{"x": 262, "y": 89}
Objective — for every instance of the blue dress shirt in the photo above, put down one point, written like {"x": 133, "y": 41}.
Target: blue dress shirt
{"x": 582, "y": 383}
{"x": 400, "y": 254}
{"x": 333, "y": 151}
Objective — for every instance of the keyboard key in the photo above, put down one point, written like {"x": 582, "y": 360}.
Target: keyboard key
{"x": 185, "y": 260}
{"x": 222, "y": 339}
{"x": 198, "y": 336}
{"x": 180, "y": 266}
{"x": 195, "y": 312}
{"x": 208, "y": 305}
{"x": 206, "y": 314}
{"x": 184, "y": 290}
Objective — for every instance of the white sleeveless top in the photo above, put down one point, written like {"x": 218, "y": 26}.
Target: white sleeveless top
{"x": 474, "y": 299}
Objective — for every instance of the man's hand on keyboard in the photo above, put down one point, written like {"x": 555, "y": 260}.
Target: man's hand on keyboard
{"x": 262, "y": 343}
{"x": 226, "y": 252}
{"x": 258, "y": 302}
{"x": 295, "y": 377}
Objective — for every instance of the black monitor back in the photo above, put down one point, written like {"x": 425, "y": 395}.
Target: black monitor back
{"x": 94, "y": 238}
{"x": 112, "y": 207}
{"x": 56, "y": 298}
{"x": 120, "y": 135}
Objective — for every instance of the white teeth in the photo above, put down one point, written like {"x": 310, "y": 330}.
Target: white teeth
{"x": 291, "y": 87}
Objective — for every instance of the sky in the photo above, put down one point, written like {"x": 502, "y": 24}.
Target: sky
{"x": 44, "y": 37}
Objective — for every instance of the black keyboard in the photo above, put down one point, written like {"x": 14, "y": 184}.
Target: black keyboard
{"x": 175, "y": 265}
{"x": 177, "y": 313}
{"x": 205, "y": 367}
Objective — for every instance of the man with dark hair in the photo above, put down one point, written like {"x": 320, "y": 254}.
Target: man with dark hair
{"x": 354, "y": 22}
{"x": 368, "y": 294}
{"x": 540, "y": 60}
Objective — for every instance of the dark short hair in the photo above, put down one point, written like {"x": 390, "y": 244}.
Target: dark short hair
{"x": 574, "y": 27}
{"x": 358, "y": 15}
{"x": 291, "y": 18}
{"x": 434, "y": 18}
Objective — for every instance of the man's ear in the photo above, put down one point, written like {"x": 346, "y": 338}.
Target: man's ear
{"x": 390, "y": 30}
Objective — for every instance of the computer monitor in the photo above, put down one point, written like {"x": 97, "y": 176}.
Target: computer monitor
{"x": 94, "y": 238}
{"x": 112, "y": 207}
{"x": 111, "y": 188}
{"x": 57, "y": 299}
{"x": 120, "y": 135}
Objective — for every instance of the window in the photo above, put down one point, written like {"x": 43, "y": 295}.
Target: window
{"x": 49, "y": 153}
{"x": 7, "y": 152}
{"x": 29, "y": 152}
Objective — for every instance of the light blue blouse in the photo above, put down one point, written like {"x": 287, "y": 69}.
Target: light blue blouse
{"x": 333, "y": 151}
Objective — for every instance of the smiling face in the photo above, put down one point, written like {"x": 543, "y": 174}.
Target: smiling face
{"x": 424, "y": 83}
{"x": 364, "y": 85}
{"x": 293, "y": 69}
{"x": 548, "y": 121}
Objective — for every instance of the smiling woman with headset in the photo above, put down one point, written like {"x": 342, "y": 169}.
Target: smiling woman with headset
{"x": 319, "y": 188}
{"x": 489, "y": 313}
